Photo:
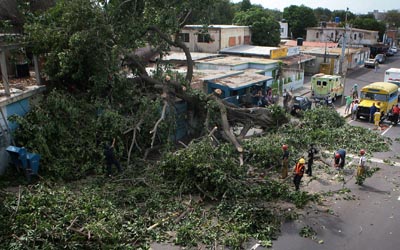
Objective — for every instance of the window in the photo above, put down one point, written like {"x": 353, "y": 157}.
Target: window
{"x": 184, "y": 37}
{"x": 319, "y": 83}
{"x": 355, "y": 36}
{"x": 324, "y": 83}
{"x": 372, "y": 96}
{"x": 203, "y": 38}
{"x": 317, "y": 35}
{"x": 332, "y": 35}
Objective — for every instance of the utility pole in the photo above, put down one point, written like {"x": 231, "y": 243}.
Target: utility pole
{"x": 341, "y": 70}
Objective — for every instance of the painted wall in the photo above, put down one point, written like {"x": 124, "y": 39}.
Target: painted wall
{"x": 20, "y": 108}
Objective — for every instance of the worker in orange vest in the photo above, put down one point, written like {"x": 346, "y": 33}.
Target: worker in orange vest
{"x": 298, "y": 173}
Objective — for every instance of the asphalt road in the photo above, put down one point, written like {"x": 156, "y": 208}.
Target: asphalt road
{"x": 370, "y": 220}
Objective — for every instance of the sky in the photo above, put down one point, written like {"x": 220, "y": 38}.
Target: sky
{"x": 355, "y": 6}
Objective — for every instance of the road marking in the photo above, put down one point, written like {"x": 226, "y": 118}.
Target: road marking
{"x": 398, "y": 198}
{"x": 350, "y": 121}
{"x": 386, "y": 130}
{"x": 255, "y": 246}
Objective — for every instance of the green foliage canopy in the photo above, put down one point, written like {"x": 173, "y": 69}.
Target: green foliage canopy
{"x": 265, "y": 30}
{"x": 299, "y": 18}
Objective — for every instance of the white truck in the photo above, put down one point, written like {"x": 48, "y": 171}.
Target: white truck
{"x": 392, "y": 75}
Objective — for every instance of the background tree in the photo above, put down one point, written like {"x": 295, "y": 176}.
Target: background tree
{"x": 342, "y": 15}
{"x": 264, "y": 28}
{"x": 245, "y": 5}
{"x": 392, "y": 18}
{"x": 323, "y": 14}
{"x": 369, "y": 23}
{"x": 276, "y": 14}
{"x": 299, "y": 19}
{"x": 218, "y": 12}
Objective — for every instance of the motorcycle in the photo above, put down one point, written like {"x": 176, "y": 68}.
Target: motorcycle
{"x": 327, "y": 102}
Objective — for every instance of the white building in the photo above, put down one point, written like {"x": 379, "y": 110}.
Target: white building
{"x": 354, "y": 37}
{"x": 284, "y": 30}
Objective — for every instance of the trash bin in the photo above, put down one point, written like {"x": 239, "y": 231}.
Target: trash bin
{"x": 28, "y": 162}
{"x": 18, "y": 156}
{"x": 33, "y": 162}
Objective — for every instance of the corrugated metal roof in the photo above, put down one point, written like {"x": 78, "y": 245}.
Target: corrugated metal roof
{"x": 236, "y": 60}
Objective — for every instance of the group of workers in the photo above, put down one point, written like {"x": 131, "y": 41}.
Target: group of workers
{"x": 299, "y": 168}
{"x": 375, "y": 115}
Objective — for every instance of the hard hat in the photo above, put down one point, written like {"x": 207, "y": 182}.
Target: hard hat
{"x": 285, "y": 147}
{"x": 302, "y": 161}
{"x": 362, "y": 152}
{"x": 337, "y": 155}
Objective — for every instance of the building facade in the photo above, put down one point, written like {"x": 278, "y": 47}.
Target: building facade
{"x": 354, "y": 37}
{"x": 214, "y": 38}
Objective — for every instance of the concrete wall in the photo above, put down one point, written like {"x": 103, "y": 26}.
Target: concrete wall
{"x": 292, "y": 79}
{"x": 355, "y": 37}
{"x": 234, "y": 36}
{"x": 222, "y": 37}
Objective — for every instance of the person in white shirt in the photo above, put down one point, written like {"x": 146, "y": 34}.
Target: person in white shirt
{"x": 354, "y": 110}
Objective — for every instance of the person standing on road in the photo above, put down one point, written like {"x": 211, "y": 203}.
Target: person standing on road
{"x": 349, "y": 100}
{"x": 354, "y": 110}
{"x": 298, "y": 173}
{"x": 396, "y": 113}
{"x": 354, "y": 91}
{"x": 311, "y": 152}
{"x": 285, "y": 161}
{"x": 285, "y": 99}
{"x": 339, "y": 159}
{"x": 376, "y": 66}
{"x": 361, "y": 168}
{"x": 377, "y": 119}
{"x": 372, "y": 111}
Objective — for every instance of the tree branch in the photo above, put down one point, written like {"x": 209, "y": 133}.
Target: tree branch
{"x": 179, "y": 44}
{"x": 136, "y": 128}
{"x": 154, "y": 130}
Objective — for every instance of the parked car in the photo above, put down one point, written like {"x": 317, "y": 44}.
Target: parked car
{"x": 394, "y": 49}
{"x": 369, "y": 63}
{"x": 389, "y": 52}
{"x": 381, "y": 58}
{"x": 300, "y": 103}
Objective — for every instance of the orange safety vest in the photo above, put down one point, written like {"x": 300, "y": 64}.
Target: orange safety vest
{"x": 299, "y": 169}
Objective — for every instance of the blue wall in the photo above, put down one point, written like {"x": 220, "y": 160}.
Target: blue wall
{"x": 17, "y": 108}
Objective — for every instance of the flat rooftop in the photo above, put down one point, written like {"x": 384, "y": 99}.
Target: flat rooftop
{"x": 242, "y": 80}
{"x": 236, "y": 60}
{"x": 249, "y": 50}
